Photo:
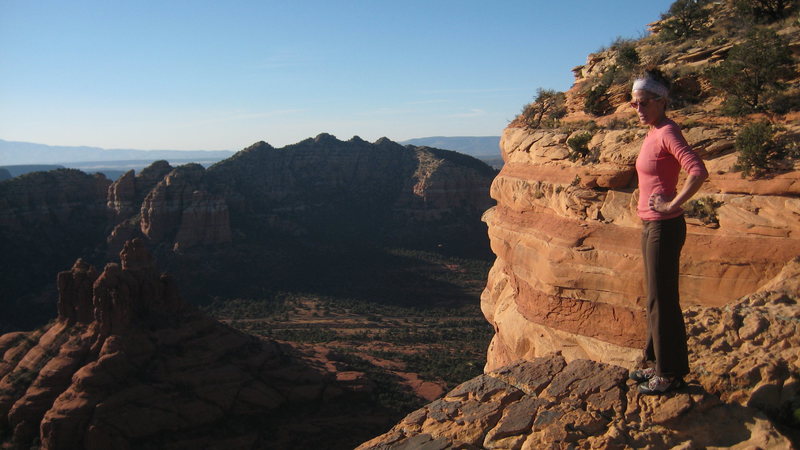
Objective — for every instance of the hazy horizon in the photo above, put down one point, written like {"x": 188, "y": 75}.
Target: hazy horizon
{"x": 18, "y": 153}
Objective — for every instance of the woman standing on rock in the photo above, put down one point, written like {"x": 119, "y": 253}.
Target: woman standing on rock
{"x": 664, "y": 152}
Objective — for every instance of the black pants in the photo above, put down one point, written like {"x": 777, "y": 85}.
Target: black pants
{"x": 662, "y": 241}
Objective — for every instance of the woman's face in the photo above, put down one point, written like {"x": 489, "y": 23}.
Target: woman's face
{"x": 649, "y": 107}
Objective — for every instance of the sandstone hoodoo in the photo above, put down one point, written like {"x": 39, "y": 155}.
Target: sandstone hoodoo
{"x": 129, "y": 364}
{"x": 257, "y": 221}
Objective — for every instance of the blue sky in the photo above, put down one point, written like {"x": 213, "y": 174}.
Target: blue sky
{"x": 224, "y": 74}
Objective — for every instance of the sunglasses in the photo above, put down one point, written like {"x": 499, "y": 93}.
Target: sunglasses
{"x": 643, "y": 103}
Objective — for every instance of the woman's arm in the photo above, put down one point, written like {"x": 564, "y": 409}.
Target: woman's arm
{"x": 690, "y": 187}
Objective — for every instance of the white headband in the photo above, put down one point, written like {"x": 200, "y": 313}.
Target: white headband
{"x": 650, "y": 85}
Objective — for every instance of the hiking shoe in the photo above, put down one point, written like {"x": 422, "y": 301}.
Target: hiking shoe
{"x": 642, "y": 375}
{"x": 660, "y": 385}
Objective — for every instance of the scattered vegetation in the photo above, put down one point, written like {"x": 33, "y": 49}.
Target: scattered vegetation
{"x": 546, "y": 109}
{"x": 572, "y": 126}
{"x": 617, "y": 124}
{"x": 704, "y": 209}
{"x": 758, "y": 150}
{"x": 453, "y": 365}
{"x": 752, "y": 71}
{"x": 388, "y": 391}
{"x": 443, "y": 342}
{"x": 627, "y": 56}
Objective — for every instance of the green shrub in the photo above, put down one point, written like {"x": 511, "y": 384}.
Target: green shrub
{"x": 785, "y": 102}
{"x": 758, "y": 151}
{"x": 751, "y": 71}
{"x": 597, "y": 100}
{"x": 579, "y": 146}
{"x": 704, "y": 208}
{"x": 763, "y": 11}
{"x": 685, "y": 18}
{"x": 627, "y": 56}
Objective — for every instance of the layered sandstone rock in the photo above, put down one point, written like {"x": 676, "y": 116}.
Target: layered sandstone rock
{"x": 129, "y": 365}
{"x": 568, "y": 274}
{"x": 179, "y": 210}
{"x": 549, "y": 403}
{"x": 169, "y": 206}
{"x": 126, "y": 194}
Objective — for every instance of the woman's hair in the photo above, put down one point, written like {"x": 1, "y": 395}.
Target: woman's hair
{"x": 654, "y": 75}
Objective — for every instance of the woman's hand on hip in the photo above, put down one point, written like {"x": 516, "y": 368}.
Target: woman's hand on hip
{"x": 659, "y": 204}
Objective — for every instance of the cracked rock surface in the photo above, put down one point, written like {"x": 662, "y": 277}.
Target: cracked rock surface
{"x": 549, "y": 403}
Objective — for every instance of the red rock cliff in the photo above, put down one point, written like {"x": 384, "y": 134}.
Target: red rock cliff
{"x": 568, "y": 274}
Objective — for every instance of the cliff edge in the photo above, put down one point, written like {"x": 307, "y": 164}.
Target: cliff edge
{"x": 742, "y": 392}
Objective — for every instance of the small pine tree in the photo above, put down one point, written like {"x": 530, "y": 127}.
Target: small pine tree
{"x": 757, "y": 148}
{"x": 751, "y": 70}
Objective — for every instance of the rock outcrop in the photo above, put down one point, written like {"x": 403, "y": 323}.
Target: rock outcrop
{"x": 568, "y": 274}
{"x": 548, "y": 403}
{"x": 749, "y": 351}
{"x": 179, "y": 210}
{"x": 125, "y": 195}
{"x": 128, "y": 364}
{"x": 169, "y": 206}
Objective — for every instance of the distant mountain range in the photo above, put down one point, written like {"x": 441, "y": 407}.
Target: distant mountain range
{"x": 17, "y": 158}
{"x": 17, "y": 153}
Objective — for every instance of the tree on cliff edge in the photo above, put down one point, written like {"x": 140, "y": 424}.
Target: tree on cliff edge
{"x": 548, "y": 104}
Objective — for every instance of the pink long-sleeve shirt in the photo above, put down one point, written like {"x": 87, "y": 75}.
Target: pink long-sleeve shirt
{"x": 664, "y": 152}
